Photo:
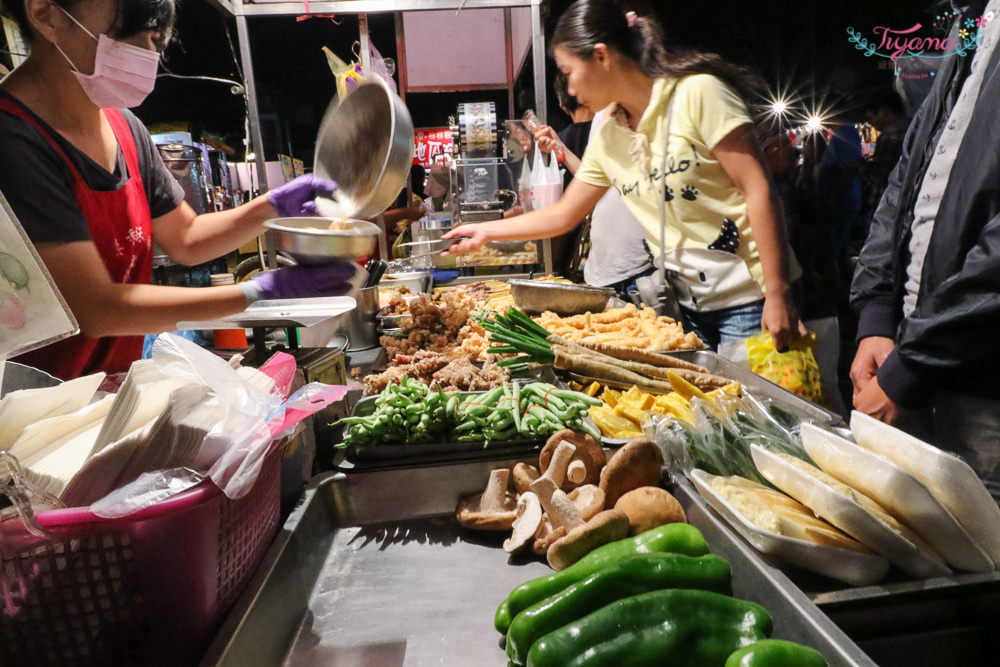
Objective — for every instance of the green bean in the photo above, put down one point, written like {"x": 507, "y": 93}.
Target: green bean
{"x": 593, "y": 432}
{"x": 542, "y": 413}
{"x": 578, "y": 396}
{"x": 516, "y": 391}
{"x": 465, "y": 426}
{"x": 505, "y": 421}
{"x": 490, "y": 397}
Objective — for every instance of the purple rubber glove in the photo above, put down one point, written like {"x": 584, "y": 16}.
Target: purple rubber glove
{"x": 296, "y": 282}
{"x": 295, "y": 199}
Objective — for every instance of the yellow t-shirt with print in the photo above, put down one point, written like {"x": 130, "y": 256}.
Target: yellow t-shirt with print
{"x": 711, "y": 255}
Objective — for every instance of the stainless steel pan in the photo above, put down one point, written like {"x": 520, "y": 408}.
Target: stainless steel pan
{"x": 365, "y": 144}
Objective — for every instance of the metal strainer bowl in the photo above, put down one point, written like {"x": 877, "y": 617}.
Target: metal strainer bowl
{"x": 365, "y": 144}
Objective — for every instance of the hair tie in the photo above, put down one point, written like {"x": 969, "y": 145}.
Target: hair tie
{"x": 631, "y": 18}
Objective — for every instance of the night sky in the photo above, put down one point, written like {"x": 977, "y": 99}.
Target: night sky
{"x": 798, "y": 45}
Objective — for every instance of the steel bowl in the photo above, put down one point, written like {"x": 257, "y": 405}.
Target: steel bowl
{"x": 507, "y": 246}
{"x": 415, "y": 281}
{"x": 365, "y": 144}
{"x": 311, "y": 241}
{"x": 535, "y": 296}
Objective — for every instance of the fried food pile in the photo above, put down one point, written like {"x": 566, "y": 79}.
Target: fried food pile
{"x": 632, "y": 327}
{"x": 435, "y": 369}
{"x": 438, "y": 326}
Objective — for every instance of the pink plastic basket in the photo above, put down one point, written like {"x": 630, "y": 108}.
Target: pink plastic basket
{"x": 148, "y": 589}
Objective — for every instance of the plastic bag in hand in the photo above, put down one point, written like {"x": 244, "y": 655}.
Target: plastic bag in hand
{"x": 546, "y": 181}
{"x": 796, "y": 370}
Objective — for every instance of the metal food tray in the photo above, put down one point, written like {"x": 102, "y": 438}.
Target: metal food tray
{"x": 372, "y": 569}
{"x": 800, "y": 407}
{"x": 850, "y": 567}
{"x": 537, "y": 296}
{"x": 760, "y": 387}
{"x": 899, "y": 622}
{"x": 437, "y": 451}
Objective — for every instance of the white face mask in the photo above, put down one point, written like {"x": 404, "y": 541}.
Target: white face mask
{"x": 124, "y": 75}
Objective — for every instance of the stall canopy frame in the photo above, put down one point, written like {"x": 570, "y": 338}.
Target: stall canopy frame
{"x": 241, "y": 11}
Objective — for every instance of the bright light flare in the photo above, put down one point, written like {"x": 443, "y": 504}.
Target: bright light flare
{"x": 814, "y": 123}
{"x": 779, "y": 107}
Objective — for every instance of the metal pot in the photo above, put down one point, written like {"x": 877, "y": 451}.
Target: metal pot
{"x": 188, "y": 166}
{"x": 360, "y": 325}
{"x": 365, "y": 144}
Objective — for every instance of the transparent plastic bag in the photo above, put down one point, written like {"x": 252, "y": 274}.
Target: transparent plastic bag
{"x": 718, "y": 441}
{"x": 546, "y": 181}
{"x": 148, "y": 489}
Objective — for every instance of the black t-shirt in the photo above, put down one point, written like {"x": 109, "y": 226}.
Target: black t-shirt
{"x": 37, "y": 182}
{"x": 576, "y": 136}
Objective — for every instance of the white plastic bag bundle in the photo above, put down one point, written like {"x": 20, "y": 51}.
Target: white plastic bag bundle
{"x": 546, "y": 181}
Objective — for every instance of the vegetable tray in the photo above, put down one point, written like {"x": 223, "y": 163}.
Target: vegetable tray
{"x": 431, "y": 442}
{"x": 438, "y": 451}
{"x": 373, "y": 569}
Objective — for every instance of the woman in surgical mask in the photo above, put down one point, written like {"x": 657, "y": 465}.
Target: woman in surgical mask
{"x": 84, "y": 179}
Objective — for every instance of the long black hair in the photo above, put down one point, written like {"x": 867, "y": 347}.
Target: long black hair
{"x": 640, "y": 38}
{"x": 131, "y": 18}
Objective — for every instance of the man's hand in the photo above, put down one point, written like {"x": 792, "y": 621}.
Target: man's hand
{"x": 871, "y": 355}
{"x": 874, "y": 402}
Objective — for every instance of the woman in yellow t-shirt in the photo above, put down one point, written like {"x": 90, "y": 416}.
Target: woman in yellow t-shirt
{"x": 726, "y": 248}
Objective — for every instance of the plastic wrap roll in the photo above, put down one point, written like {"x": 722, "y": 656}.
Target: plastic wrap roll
{"x": 477, "y": 126}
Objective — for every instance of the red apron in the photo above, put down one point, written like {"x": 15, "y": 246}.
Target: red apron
{"x": 121, "y": 227}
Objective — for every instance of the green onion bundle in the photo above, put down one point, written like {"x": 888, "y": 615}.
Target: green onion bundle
{"x": 517, "y": 333}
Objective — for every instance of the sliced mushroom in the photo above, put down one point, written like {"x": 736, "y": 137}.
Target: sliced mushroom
{"x": 524, "y": 475}
{"x": 529, "y": 517}
{"x": 637, "y": 463}
{"x": 555, "y": 466}
{"x": 587, "y": 461}
{"x": 581, "y": 536}
{"x": 493, "y": 509}
{"x": 546, "y": 535}
{"x": 557, "y": 505}
{"x": 649, "y": 507}
{"x": 588, "y": 500}
{"x": 607, "y": 526}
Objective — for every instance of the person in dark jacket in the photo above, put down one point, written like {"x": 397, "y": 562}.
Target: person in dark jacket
{"x": 927, "y": 285}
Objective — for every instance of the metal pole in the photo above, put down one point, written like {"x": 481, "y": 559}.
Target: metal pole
{"x": 366, "y": 56}
{"x": 253, "y": 112}
{"x": 541, "y": 101}
{"x": 538, "y": 60}
{"x": 509, "y": 57}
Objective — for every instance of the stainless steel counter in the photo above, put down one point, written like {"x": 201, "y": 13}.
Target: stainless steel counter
{"x": 372, "y": 569}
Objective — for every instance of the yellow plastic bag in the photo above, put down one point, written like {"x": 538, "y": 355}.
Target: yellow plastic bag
{"x": 796, "y": 370}
{"x": 348, "y": 76}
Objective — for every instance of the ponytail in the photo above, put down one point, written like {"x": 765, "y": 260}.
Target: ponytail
{"x": 637, "y": 36}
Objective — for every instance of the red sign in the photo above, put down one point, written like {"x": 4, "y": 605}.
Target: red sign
{"x": 429, "y": 142}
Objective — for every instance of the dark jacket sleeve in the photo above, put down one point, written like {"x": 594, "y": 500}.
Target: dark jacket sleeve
{"x": 873, "y": 291}
{"x": 951, "y": 327}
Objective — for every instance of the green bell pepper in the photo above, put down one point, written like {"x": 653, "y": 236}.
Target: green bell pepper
{"x": 681, "y": 538}
{"x": 636, "y": 574}
{"x": 676, "y": 627}
{"x": 776, "y": 653}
